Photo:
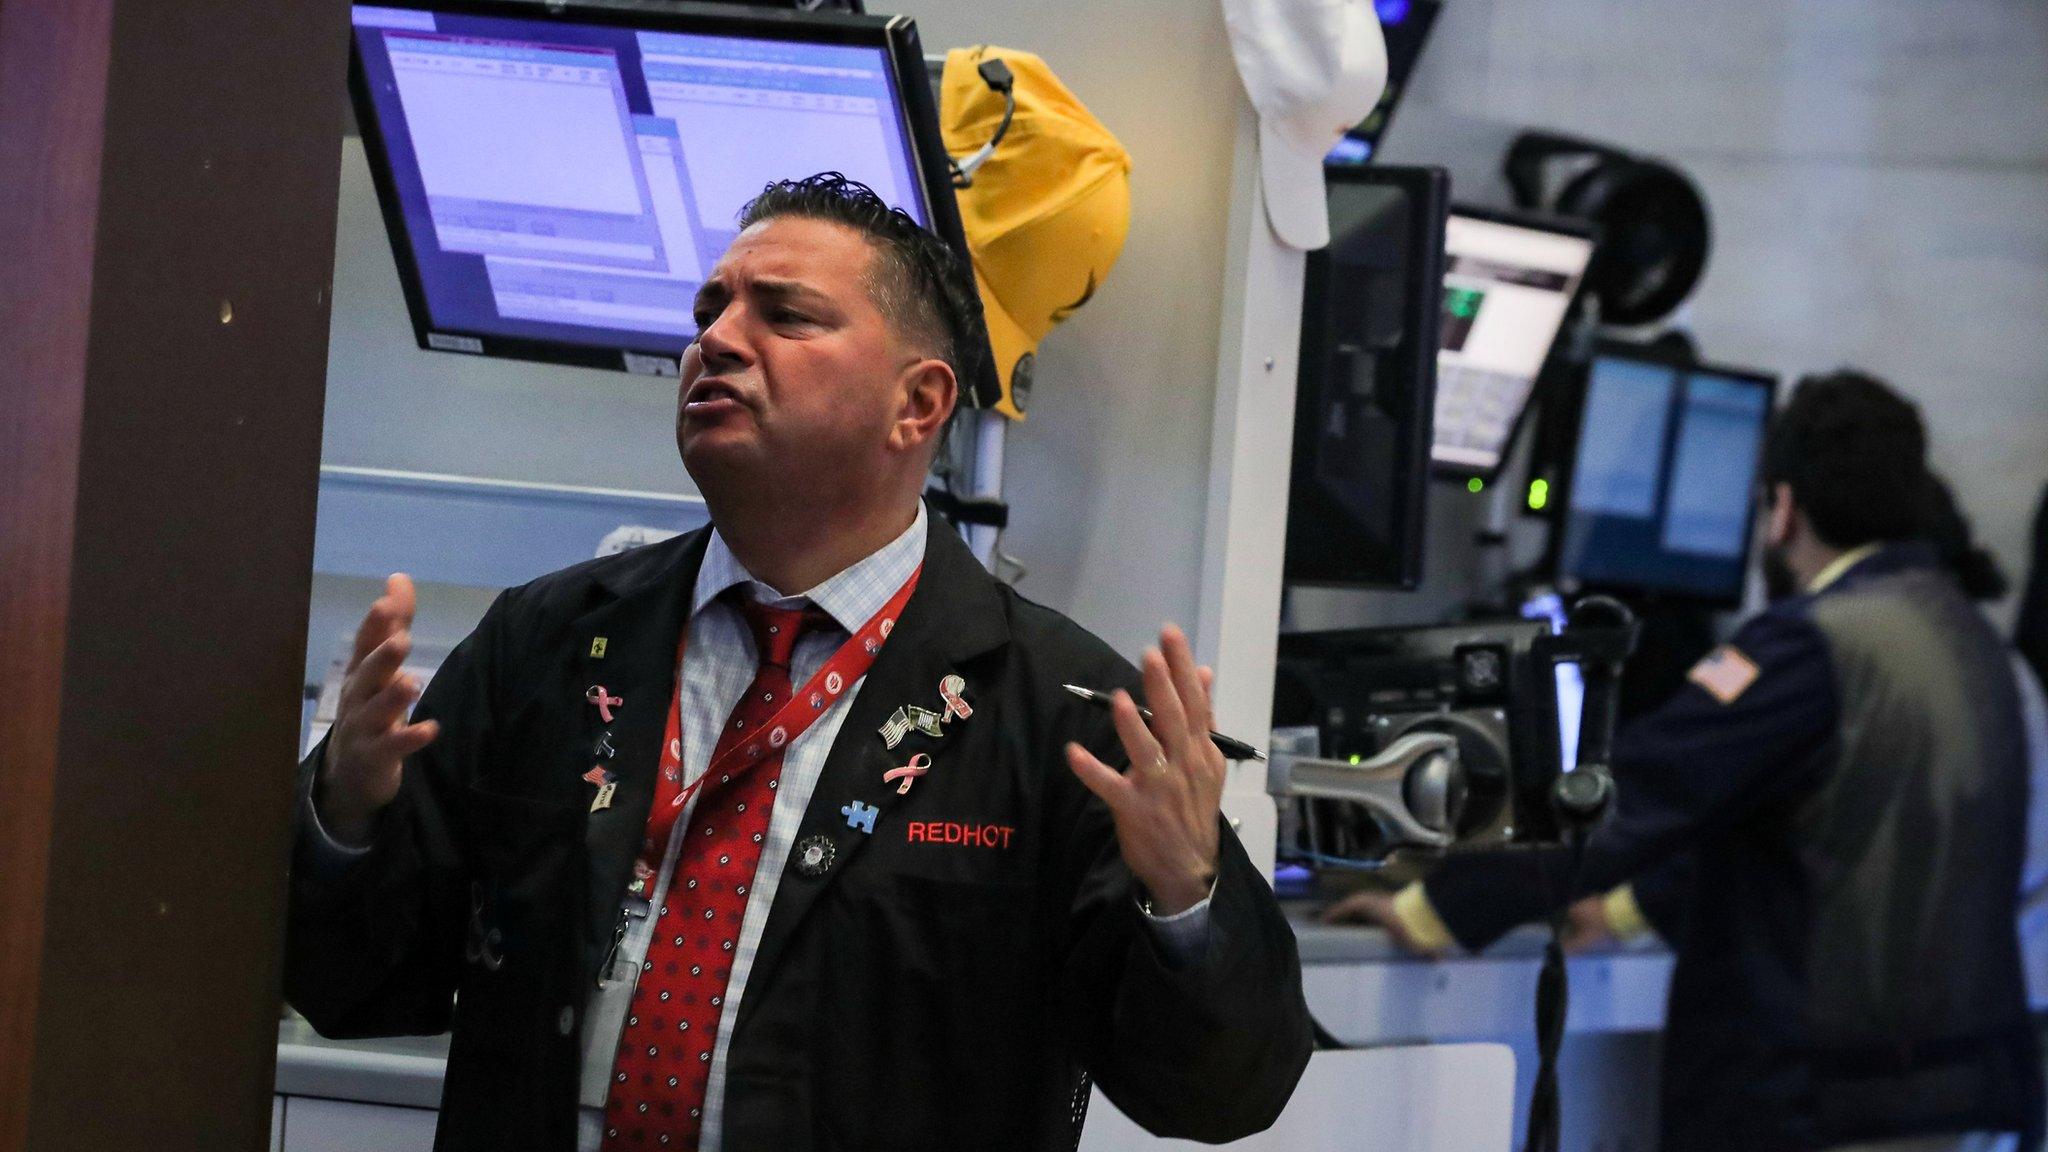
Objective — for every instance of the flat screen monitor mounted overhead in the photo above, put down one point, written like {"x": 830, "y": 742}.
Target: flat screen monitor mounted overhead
{"x": 1404, "y": 26}
{"x": 558, "y": 178}
{"x": 1509, "y": 284}
{"x": 1355, "y": 508}
{"x": 1661, "y": 493}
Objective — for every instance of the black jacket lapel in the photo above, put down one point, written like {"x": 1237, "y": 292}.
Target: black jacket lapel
{"x": 956, "y": 614}
{"x": 639, "y": 626}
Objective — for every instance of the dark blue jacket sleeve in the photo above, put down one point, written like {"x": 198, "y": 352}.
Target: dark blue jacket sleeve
{"x": 1664, "y": 895}
{"x": 1681, "y": 773}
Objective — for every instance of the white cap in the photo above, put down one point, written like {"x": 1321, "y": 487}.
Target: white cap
{"x": 1313, "y": 69}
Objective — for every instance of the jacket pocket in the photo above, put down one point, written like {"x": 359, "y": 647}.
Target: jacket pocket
{"x": 524, "y": 860}
{"x": 939, "y": 998}
{"x": 769, "y": 1112}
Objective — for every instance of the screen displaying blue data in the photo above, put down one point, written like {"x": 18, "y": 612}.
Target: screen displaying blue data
{"x": 1663, "y": 484}
{"x": 573, "y": 183}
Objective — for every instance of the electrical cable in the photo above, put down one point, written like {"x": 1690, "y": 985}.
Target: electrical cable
{"x": 996, "y": 75}
{"x": 1604, "y": 630}
{"x": 1553, "y": 1004}
{"x": 1341, "y": 863}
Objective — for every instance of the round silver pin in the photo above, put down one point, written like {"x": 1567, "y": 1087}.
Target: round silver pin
{"x": 814, "y": 854}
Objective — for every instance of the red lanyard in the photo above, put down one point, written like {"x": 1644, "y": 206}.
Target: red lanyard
{"x": 819, "y": 693}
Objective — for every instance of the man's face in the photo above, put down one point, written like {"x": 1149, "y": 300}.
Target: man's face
{"x": 796, "y": 377}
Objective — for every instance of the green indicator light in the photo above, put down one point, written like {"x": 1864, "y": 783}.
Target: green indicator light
{"x": 1357, "y": 759}
{"x": 1539, "y": 495}
{"x": 1475, "y": 485}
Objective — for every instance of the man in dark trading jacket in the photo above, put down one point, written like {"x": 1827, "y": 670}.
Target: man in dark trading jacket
{"x": 1851, "y": 770}
{"x": 783, "y": 835}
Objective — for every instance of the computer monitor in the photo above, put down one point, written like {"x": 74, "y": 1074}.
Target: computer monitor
{"x": 1404, "y": 26}
{"x": 1367, "y": 380}
{"x": 1661, "y": 493}
{"x": 558, "y": 178}
{"x": 1509, "y": 283}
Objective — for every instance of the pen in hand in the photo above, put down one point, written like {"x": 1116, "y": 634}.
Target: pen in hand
{"x": 1232, "y": 749}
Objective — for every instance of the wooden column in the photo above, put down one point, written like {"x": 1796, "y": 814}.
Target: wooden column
{"x": 168, "y": 175}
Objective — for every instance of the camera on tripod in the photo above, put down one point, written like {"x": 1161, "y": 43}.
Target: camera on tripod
{"x": 1440, "y": 738}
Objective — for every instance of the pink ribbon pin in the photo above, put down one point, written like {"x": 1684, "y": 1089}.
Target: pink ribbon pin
{"x": 605, "y": 701}
{"x": 918, "y": 766}
{"x": 956, "y": 705}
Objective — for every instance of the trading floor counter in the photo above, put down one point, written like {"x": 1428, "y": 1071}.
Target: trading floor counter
{"x": 1365, "y": 991}
{"x": 342, "y": 1094}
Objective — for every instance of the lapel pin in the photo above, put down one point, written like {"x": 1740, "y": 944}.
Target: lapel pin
{"x": 603, "y": 747}
{"x": 910, "y": 719}
{"x": 896, "y": 729}
{"x": 956, "y": 705}
{"x": 918, "y": 766}
{"x": 597, "y": 647}
{"x": 603, "y": 799}
{"x": 607, "y": 787}
{"x": 605, "y": 701}
{"x": 859, "y": 815}
{"x": 814, "y": 854}
{"x": 929, "y": 723}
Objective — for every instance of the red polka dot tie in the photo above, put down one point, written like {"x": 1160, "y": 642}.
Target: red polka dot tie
{"x": 664, "y": 1058}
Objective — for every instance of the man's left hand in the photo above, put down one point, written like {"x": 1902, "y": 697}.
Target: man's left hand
{"x": 1375, "y": 909}
{"x": 1165, "y": 807}
{"x": 1588, "y": 925}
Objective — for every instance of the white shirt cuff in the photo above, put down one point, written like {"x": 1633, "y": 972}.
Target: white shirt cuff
{"x": 323, "y": 849}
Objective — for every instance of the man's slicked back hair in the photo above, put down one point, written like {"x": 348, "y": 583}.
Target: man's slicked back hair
{"x": 919, "y": 282}
{"x": 1855, "y": 454}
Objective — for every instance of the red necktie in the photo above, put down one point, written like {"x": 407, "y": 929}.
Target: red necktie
{"x": 664, "y": 1059}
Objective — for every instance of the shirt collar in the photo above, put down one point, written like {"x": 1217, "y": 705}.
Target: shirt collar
{"x": 851, "y": 598}
{"x": 1841, "y": 566}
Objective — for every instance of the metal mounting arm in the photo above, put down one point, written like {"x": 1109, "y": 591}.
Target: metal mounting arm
{"x": 1414, "y": 789}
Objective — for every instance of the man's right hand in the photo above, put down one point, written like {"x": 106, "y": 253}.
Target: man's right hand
{"x": 367, "y": 747}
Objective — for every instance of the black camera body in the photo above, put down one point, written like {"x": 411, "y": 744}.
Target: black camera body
{"x": 1448, "y": 737}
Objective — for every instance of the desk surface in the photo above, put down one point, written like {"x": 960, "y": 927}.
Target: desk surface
{"x": 1353, "y": 944}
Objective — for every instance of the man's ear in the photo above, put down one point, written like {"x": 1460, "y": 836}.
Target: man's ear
{"x": 1783, "y": 518}
{"x": 928, "y": 393}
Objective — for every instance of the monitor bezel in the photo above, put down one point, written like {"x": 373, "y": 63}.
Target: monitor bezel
{"x": 1535, "y": 222}
{"x": 1561, "y": 495}
{"x": 895, "y": 35}
{"x": 1428, "y": 189}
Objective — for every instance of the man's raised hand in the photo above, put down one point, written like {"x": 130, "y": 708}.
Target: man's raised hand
{"x": 1165, "y": 806}
{"x": 367, "y": 747}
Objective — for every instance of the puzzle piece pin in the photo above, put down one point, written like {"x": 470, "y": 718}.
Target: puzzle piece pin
{"x": 859, "y": 815}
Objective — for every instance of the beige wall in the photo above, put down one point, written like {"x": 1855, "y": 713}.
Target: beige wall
{"x": 1108, "y": 477}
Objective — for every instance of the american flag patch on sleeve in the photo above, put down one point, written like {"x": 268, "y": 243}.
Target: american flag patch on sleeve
{"x": 1726, "y": 673}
